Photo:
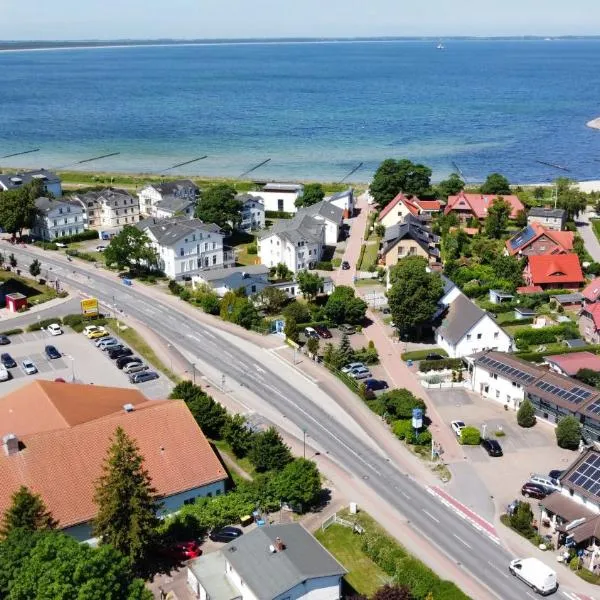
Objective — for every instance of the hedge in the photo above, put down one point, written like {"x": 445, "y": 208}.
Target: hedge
{"x": 539, "y": 356}
{"x": 422, "y": 354}
{"x": 88, "y": 234}
{"x": 82, "y": 255}
{"x": 15, "y": 331}
{"x": 46, "y": 245}
{"x": 440, "y": 365}
{"x": 324, "y": 265}
{"x": 43, "y": 323}
{"x": 510, "y": 322}
{"x": 470, "y": 436}
{"x": 545, "y": 335}
{"x": 276, "y": 214}
{"x": 77, "y": 321}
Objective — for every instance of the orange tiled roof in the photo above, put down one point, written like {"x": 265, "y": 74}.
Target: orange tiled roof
{"x": 555, "y": 268}
{"x": 478, "y": 204}
{"x": 412, "y": 207}
{"x": 563, "y": 240}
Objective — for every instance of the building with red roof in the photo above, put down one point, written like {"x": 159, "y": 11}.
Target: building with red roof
{"x": 591, "y": 292}
{"x": 554, "y": 271}
{"x": 570, "y": 364}
{"x": 529, "y": 289}
{"x": 589, "y": 322}
{"x": 476, "y": 205}
{"x": 537, "y": 239}
{"x": 402, "y": 206}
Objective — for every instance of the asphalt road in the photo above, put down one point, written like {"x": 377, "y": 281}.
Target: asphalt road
{"x": 476, "y": 553}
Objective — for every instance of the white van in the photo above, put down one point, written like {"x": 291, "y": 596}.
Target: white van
{"x": 536, "y": 574}
{"x": 4, "y": 375}
{"x": 547, "y": 482}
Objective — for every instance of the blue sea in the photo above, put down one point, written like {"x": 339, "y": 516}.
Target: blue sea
{"x": 317, "y": 110}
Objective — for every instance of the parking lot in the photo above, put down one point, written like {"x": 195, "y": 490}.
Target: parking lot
{"x": 80, "y": 361}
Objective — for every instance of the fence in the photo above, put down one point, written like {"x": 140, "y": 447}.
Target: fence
{"x": 345, "y": 523}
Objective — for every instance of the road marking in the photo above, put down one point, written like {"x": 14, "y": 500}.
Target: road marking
{"x": 430, "y": 515}
{"x": 530, "y": 595}
{"x": 405, "y": 495}
{"x": 259, "y": 368}
{"x": 502, "y": 572}
{"x": 208, "y": 334}
{"x": 461, "y": 541}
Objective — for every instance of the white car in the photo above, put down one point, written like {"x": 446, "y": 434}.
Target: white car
{"x": 100, "y": 248}
{"x": 54, "y": 329}
{"x": 4, "y": 375}
{"x": 349, "y": 367}
{"x": 29, "y": 366}
{"x": 457, "y": 427}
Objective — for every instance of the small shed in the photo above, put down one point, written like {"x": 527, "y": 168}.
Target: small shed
{"x": 498, "y": 297}
{"x": 16, "y": 301}
{"x": 574, "y": 300}
{"x": 575, "y": 343}
{"x": 524, "y": 313}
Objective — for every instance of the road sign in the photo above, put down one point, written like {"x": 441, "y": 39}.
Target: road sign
{"x": 89, "y": 307}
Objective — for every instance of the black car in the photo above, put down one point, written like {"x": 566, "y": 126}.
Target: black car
{"x": 7, "y": 360}
{"x": 492, "y": 447}
{"x": 143, "y": 376}
{"x": 4, "y": 340}
{"x": 434, "y": 356}
{"x": 534, "y": 490}
{"x": 225, "y": 534}
{"x": 115, "y": 353}
{"x": 125, "y": 360}
{"x": 345, "y": 265}
{"x": 52, "y": 352}
{"x": 373, "y": 385}
{"x": 555, "y": 474}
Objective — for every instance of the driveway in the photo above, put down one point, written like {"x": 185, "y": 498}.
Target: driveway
{"x": 585, "y": 230}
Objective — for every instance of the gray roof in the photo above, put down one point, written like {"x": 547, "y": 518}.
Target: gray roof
{"x": 540, "y": 211}
{"x": 269, "y": 574}
{"x": 414, "y": 229}
{"x": 449, "y": 285}
{"x": 302, "y": 228}
{"x": 323, "y": 209}
{"x": 462, "y": 316}
{"x": 45, "y": 205}
{"x": 175, "y": 205}
{"x": 209, "y": 570}
{"x": 213, "y": 275}
{"x": 108, "y": 195}
{"x": 283, "y": 187}
{"x": 171, "y": 188}
{"x": 575, "y": 343}
{"x": 10, "y": 181}
{"x": 249, "y": 198}
{"x": 525, "y": 311}
{"x": 170, "y": 231}
{"x": 568, "y": 298}
{"x": 340, "y": 195}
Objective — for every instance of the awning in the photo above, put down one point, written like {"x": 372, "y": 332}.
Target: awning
{"x": 565, "y": 508}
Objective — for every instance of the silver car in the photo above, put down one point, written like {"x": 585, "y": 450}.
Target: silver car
{"x": 351, "y": 366}
{"x": 360, "y": 373}
{"x": 101, "y": 341}
{"x": 135, "y": 368}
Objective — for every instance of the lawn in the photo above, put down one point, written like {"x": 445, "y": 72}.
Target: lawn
{"x": 596, "y": 227}
{"x": 364, "y": 575}
{"x": 36, "y": 293}
{"x": 242, "y": 257}
{"x": 369, "y": 256}
{"x": 244, "y": 463}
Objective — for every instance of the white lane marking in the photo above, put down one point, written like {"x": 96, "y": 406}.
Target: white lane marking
{"x": 530, "y": 595}
{"x": 503, "y": 573}
{"x": 208, "y": 334}
{"x": 259, "y": 369}
{"x": 405, "y": 495}
{"x": 461, "y": 541}
{"x": 194, "y": 337}
{"x": 430, "y": 515}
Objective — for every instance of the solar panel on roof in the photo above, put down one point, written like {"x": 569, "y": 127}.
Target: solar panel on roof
{"x": 587, "y": 475}
{"x": 523, "y": 237}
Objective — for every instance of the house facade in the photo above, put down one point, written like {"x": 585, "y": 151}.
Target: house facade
{"x": 253, "y": 212}
{"x": 330, "y": 215}
{"x": 536, "y": 240}
{"x": 52, "y": 183}
{"x": 589, "y": 322}
{"x": 551, "y": 218}
{"x": 345, "y": 201}
{"x": 251, "y": 278}
{"x": 410, "y": 238}
{"x": 57, "y": 218}
{"x": 280, "y": 197}
{"x": 467, "y": 206}
{"x": 153, "y": 193}
{"x": 554, "y": 271}
{"x": 109, "y": 209}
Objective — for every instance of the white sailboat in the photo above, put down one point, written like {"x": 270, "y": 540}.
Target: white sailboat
{"x": 441, "y": 46}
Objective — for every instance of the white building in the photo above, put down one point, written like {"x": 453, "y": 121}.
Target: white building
{"x": 57, "y": 218}
{"x": 466, "y": 329}
{"x": 52, "y": 183}
{"x": 156, "y": 192}
{"x": 173, "y": 207}
{"x": 109, "y": 209}
{"x": 253, "y": 212}
{"x": 280, "y": 197}
{"x": 252, "y": 278}
{"x": 345, "y": 201}
{"x": 330, "y": 214}
{"x": 276, "y": 562}
{"x": 185, "y": 247}
{"x": 297, "y": 243}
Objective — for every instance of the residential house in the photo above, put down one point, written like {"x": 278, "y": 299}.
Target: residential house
{"x": 274, "y": 562}
{"x": 109, "y": 209}
{"x": 401, "y": 206}
{"x": 297, "y": 243}
{"x": 186, "y": 247}
{"x": 554, "y": 271}
{"x": 253, "y": 212}
{"x": 589, "y": 322}
{"x": 152, "y": 193}
{"x": 536, "y": 239}
{"x": 551, "y": 218}
{"x": 345, "y": 201}
{"x": 56, "y": 436}
{"x": 251, "y": 278}
{"x": 591, "y": 292}
{"x": 409, "y": 238}
{"x": 572, "y": 301}
{"x": 280, "y": 197}
{"x": 57, "y": 218}
{"x": 571, "y": 364}
{"x": 12, "y": 181}
{"x": 467, "y": 206}
{"x": 328, "y": 213}
{"x": 467, "y": 329}
{"x": 173, "y": 207}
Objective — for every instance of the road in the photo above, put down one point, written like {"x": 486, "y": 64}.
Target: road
{"x": 484, "y": 559}
{"x": 587, "y": 233}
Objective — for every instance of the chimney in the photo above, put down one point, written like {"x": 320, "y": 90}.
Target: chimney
{"x": 10, "y": 442}
{"x": 279, "y": 545}
{"x": 128, "y": 407}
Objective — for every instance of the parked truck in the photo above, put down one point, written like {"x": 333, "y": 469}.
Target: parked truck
{"x": 537, "y": 575}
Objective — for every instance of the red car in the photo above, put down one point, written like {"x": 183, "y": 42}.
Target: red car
{"x": 182, "y": 550}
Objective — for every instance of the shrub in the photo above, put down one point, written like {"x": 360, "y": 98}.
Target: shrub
{"x": 575, "y": 563}
{"x": 399, "y": 404}
{"x": 440, "y": 365}
{"x": 522, "y": 518}
{"x": 252, "y": 248}
{"x": 43, "y": 324}
{"x": 368, "y": 356}
{"x": 45, "y": 245}
{"x": 568, "y": 433}
{"x": 297, "y": 311}
{"x": 276, "y": 214}
{"x": 88, "y": 234}
{"x": 336, "y": 262}
{"x": 41, "y": 298}
{"x": 526, "y": 414}
{"x": 324, "y": 265}
{"x": 402, "y": 428}
{"x": 15, "y": 331}
{"x": 545, "y": 335}
{"x": 470, "y": 436}
{"x": 175, "y": 288}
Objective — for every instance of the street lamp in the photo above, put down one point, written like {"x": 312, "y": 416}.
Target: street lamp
{"x": 194, "y": 372}
{"x": 304, "y": 442}
{"x": 169, "y": 346}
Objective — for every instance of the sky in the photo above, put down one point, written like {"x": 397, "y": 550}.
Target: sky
{"x": 179, "y": 19}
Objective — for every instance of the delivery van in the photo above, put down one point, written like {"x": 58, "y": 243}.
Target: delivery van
{"x": 536, "y": 574}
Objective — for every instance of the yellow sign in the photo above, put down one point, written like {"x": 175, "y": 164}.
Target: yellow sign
{"x": 89, "y": 307}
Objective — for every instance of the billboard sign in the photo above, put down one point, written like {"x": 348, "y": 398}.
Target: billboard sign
{"x": 89, "y": 307}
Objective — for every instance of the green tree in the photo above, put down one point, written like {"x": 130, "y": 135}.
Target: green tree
{"x": 291, "y": 329}
{"x": 526, "y": 414}
{"x": 570, "y": 198}
{"x": 399, "y": 404}
{"x": 343, "y": 307}
{"x": 26, "y": 512}
{"x": 495, "y": 184}
{"x": 414, "y": 295}
{"x": 247, "y": 316}
{"x": 380, "y": 230}
{"x": 282, "y": 272}
{"x": 310, "y": 284}
{"x": 470, "y": 436}
{"x": 497, "y": 218}
{"x": 271, "y": 299}
{"x": 210, "y": 415}
{"x": 539, "y": 192}
{"x": 312, "y": 345}
{"x": 345, "y": 353}
{"x": 218, "y": 204}
{"x": 522, "y": 518}
{"x": 14, "y": 550}
{"x": 589, "y": 377}
{"x": 450, "y": 186}
{"x": 509, "y": 269}
{"x": 521, "y": 219}
{"x": 130, "y": 249}
{"x": 394, "y": 176}
{"x": 127, "y": 502}
{"x": 299, "y": 483}
{"x": 268, "y": 451}
{"x": 17, "y": 207}
{"x": 313, "y": 193}
{"x": 297, "y": 311}
{"x": 35, "y": 268}
{"x": 392, "y": 592}
{"x": 12, "y": 260}
{"x": 568, "y": 433}
{"x": 237, "y": 434}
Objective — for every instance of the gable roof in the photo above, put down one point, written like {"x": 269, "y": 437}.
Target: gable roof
{"x": 430, "y": 205}
{"x": 174, "y": 204}
{"x": 555, "y": 268}
{"x": 592, "y": 311}
{"x": 478, "y": 204}
{"x": 269, "y": 574}
{"x": 173, "y": 188}
{"x": 542, "y": 211}
{"x": 46, "y": 205}
{"x": 562, "y": 240}
{"x": 400, "y": 198}
{"x": 283, "y": 187}
{"x": 462, "y": 316}
{"x": 63, "y": 465}
{"x": 342, "y": 195}
{"x": 324, "y": 209}
{"x": 302, "y": 228}
{"x": 169, "y": 231}
{"x": 415, "y": 230}
{"x": 591, "y": 292}
{"x": 108, "y": 196}
{"x": 571, "y": 363}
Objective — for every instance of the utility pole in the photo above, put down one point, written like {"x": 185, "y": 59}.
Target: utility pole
{"x": 304, "y": 442}
{"x": 223, "y": 382}
{"x": 194, "y": 372}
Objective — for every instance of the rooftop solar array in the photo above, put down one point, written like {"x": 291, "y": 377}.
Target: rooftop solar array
{"x": 594, "y": 407}
{"x": 575, "y": 394}
{"x": 587, "y": 475}
{"x": 526, "y": 378}
{"x": 523, "y": 237}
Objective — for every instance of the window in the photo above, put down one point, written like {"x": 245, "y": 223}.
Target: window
{"x": 54, "y": 222}
{"x": 280, "y": 205}
{"x": 479, "y": 336}
{"x": 496, "y": 334}
{"x": 214, "y": 259}
{"x": 468, "y": 336}
{"x": 497, "y": 393}
{"x": 218, "y": 493}
{"x": 205, "y": 247}
{"x": 400, "y": 250}
{"x": 214, "y": 245}
{"x": 180, "y": 251}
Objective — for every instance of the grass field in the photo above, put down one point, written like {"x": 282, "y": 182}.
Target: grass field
{"x": 369, "y": 257}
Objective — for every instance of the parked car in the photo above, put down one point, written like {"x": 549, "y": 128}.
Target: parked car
{"x": 547, "y": 482}
{"x": 143, "y": 376}
{"x": 351, "y": 366}
{"x": 345, "y": 265}
{"x": 100, "y": 248}
{"x": 323, "y": 332}
{"x": 457, "y": 427}
{"x": 98, "y": 333}
{"x": 54, "y": 329}
{"x": 100, "y": 342}
{"x": 90, "y": 329}
{"x": 114, "y": 353}
{"x": 4, "y": 374}
{"x": 555, "y": 474}
{"x": 225, "y": 534}
{"x": 111, "y": 345}
{"x": 386, "y": 310}
{"x": 52, "y": 352}
{"x": 309, "y": 332}
{"x": 534, "y": 490}
{"x": 123, "y": 361}
{"x": 492, "y": 447}
{"x": 372, "y": 385}
{"x": 434, "y": 356}
{"x": 135, "y": 367}
{"x": 4, "y": 340}
{"x": 7, "y": 360}
{"x": 29, "y": 366}
{"x": 182, "y": 550}
{"x": 360, "y": 373}
{"x": 347, "y": 329}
